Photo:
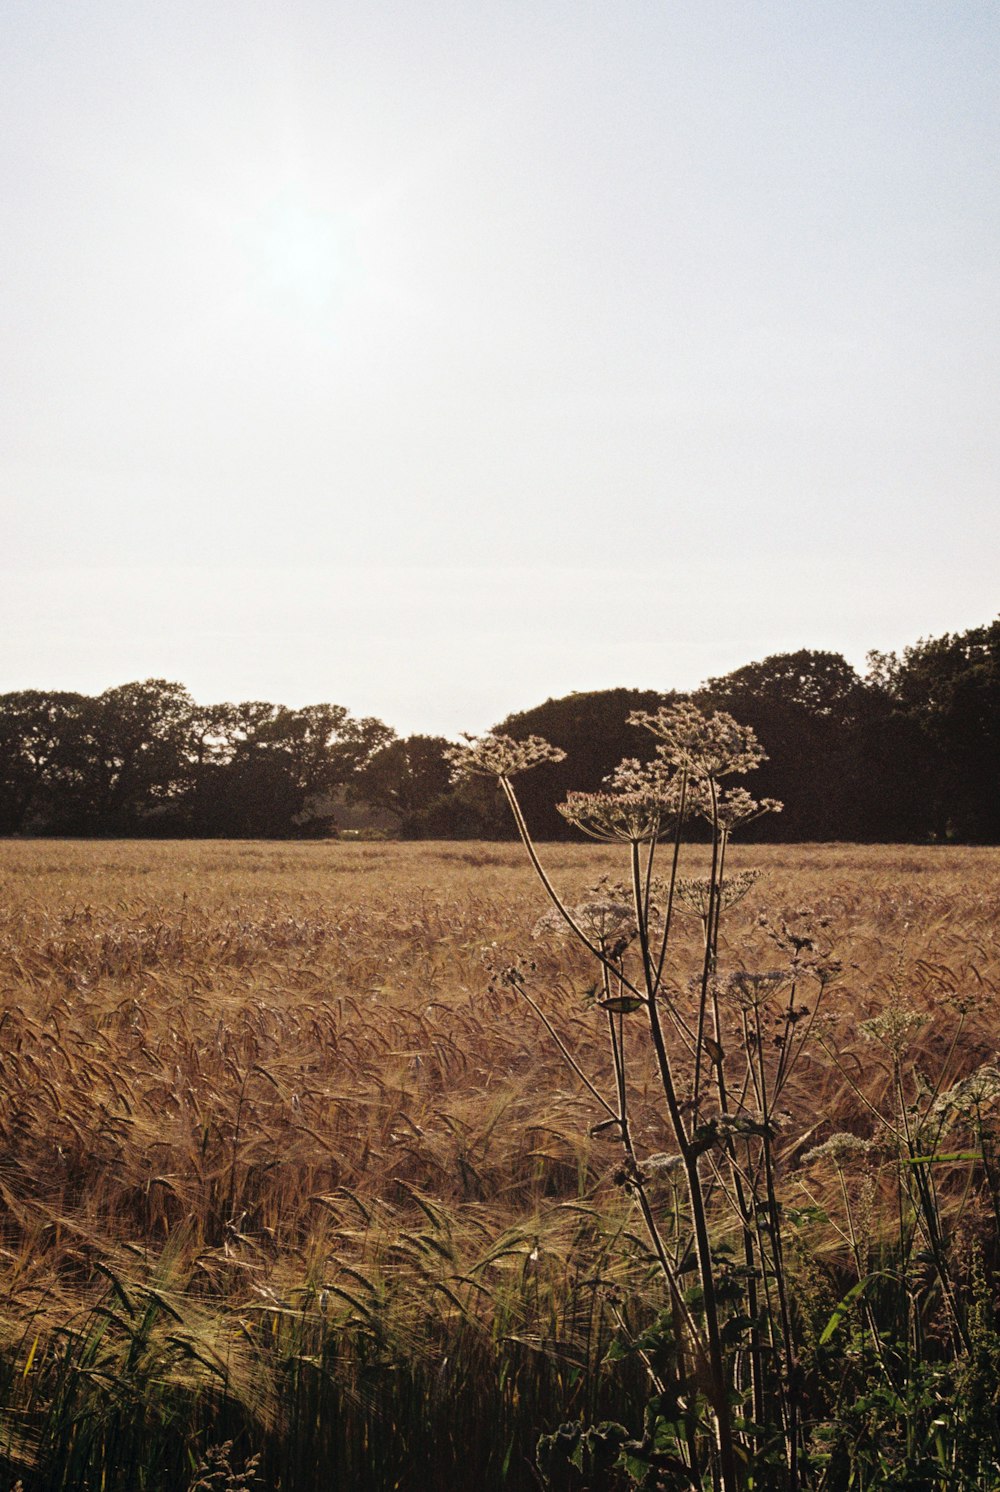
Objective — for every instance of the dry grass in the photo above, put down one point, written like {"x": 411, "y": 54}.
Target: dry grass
{"x": 213, "y": 1031}
{"x": 254, "y": 1087}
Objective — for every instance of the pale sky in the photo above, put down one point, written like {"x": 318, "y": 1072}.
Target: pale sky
{"x": 435, "y": 358}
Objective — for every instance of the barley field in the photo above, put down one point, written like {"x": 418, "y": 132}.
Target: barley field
{"x": 299, "y": 1190}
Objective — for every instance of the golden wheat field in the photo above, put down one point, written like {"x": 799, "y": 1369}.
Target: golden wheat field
{"x": 253, "y": 1094}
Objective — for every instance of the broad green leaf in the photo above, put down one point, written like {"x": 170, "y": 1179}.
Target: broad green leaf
{"x": 843, "y": 1307}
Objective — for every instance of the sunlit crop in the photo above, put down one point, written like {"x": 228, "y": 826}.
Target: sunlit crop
{"x": 286, "y": 1166}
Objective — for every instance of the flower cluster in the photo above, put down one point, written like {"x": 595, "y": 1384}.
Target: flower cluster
{"x": 499, "y": 756}
{"x": 892, "y": 1026}
{"x": 692, "y": 893}
{"x": 640, "y": 802}
{"x": 654, "y": 779}
{"x": 703, "y": 745}
{"x": 839, "y": 1148}
{"x": 633, "y": 818}
{"x": 969, "y": 1094}
{"x": 731, "y": 807}
{"x": 605, "y": 921}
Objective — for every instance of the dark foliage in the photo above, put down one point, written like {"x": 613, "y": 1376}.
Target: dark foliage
{"x": 593, "y": 731}
{"x": 144, "y": 759}
{"x": 404, "y": 778}
{"x": 833, "y": 748}
{"x": 909, "y": 752}
{"x": 944, "y": 693}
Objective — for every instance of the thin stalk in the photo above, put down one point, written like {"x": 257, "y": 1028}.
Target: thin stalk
{"x": 928, "y": 1212}
{"x": 861, "y": 1270}
{"x": 641, "y": 919}
{"x": 674, "y": 865}
{"x": 648, "y": 878}
{"x": 635, "y": 1173}
{"x": 618, "y": 1058}
{"x": 728, "y": 1471}
{"x": 567, "y": 1055}
{"x": 723, "y": 847}
{"x": 551, "y": 892}
{"x": 729, "y": 1479}
{"x": 777, "y": 1253}
{"x": 707, "y": 963}
{"x": 744, "y": 1206}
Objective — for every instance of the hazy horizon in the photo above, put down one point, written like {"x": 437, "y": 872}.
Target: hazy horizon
{"x": 437, "y": 361}
{"x": 537, "y": 670}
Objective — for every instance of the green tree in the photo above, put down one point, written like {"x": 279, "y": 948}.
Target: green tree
{"x": 592, "y": 729}
{"x": 133, "y": 755}
{"x": 39, "y": 755}
{"x": 808, "y": 708}
{"x": 948, "y": 689}
{"x": 405, "y": 777}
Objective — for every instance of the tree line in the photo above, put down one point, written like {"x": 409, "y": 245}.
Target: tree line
{"x": 908, "y": 751}
{"x": 143, "y": 758}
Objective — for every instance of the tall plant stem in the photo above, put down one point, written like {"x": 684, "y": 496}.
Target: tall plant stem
{"x": 696, "y": 1197}
{"x": 790, "y": 1391}
{"x": 674, "y": 865}
{"x": 728, "y": 1468}
{"x": 928, "y": 1212}
{"x": 635, "y": 1173}
{"x": 641, "y": 919}
{"x": 709, "y": 958}
{"x": 553, "y": 894}
{"x": 729, "y": 1479}
{"x": 751, "y": 1252}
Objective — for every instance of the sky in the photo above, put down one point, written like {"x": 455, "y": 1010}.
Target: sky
{"x": 437, "y": 359}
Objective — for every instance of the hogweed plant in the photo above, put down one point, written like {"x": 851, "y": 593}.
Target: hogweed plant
{"x": 727, "y": 1407}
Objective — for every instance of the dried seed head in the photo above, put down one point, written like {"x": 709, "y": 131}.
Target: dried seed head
{"x": 706, "y": 746}
{"x": 751, "y": 991}
{"x": 733, "y": 806}
{"x": 661, "y": 1164}
{"x": 839, "y": 1149}
{"x": 499, "y": 756}
{"x": 691, "y": 893}
{"x": 607, "y": 923}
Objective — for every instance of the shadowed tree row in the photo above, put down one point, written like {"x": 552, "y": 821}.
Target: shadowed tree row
{"x": 910, "y": 751}
{"x": 144, "y": 758}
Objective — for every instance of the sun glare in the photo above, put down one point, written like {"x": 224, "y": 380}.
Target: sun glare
{"x": 304, "y": 256}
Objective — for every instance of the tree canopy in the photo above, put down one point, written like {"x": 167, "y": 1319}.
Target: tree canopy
{"x": 143, "y": 758}
{"x": 592, "y": 728}
{"x": 909, "y": 751}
